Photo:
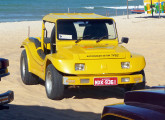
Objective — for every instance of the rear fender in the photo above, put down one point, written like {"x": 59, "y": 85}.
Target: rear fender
{"x": 34, "y": 61}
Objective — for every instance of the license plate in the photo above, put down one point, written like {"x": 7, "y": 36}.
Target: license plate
{"x": 105, "y": 81}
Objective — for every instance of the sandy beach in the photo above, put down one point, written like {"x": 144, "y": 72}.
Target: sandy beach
{"x": 147, "y": 37}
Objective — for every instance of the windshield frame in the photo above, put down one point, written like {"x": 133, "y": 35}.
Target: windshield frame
{"x": 76, "y": 20}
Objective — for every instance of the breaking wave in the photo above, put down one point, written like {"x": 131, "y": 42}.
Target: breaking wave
{"x": 91, "y": 8}
{"x": 125, "y": 7}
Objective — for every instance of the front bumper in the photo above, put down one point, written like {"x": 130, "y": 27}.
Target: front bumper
{"x": 89, "y": 80}
{"x": 6, "y": 97}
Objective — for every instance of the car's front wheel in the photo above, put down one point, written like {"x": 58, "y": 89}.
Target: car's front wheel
{"x": 27, "y": 77}
{"x": 53, "y": 83}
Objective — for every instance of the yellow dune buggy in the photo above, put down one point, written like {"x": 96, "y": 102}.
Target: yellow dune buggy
{"x": 79, "y": 49}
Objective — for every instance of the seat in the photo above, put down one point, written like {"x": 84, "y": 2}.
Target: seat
{"x": 67, "y": 28}
{"x": 41, "y": 53}
{"x": 95, "y": 30}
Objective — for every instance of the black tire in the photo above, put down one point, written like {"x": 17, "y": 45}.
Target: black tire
{"x": 53, "y": 83}
{"x": 137, "y": 86}
{"x": 27, "y": 77}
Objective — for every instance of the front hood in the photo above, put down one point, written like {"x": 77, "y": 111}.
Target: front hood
{"x": 85, "y": 52}
{"x": 98, "y": 59}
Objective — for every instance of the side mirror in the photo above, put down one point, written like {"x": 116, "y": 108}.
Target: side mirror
{"x": 124, "y": 40}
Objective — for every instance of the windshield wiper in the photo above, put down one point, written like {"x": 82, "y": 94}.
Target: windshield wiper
{"x": 81, "y": 38}
{"x": 101, "y": 38}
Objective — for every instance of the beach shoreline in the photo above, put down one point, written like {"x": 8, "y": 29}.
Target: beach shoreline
{"x": 34, "y": 10}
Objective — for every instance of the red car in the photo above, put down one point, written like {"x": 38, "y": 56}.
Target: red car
{"x": 9, "y": 95}
{"x": 147, "y": 104}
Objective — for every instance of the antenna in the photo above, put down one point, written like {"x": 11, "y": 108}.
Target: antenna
{"x": 68, "y": 10}
{"x": 28, "y": 31}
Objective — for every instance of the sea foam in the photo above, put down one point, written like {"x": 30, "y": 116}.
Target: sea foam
{"x": 89, "y": 7}
{"x": 125, "y": 7}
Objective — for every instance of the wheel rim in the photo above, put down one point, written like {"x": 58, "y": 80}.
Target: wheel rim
{"x": 48, "y": 82}
{"x": 23, "y": 67}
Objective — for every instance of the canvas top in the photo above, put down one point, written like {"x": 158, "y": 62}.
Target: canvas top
{"x": 52, "y": 17}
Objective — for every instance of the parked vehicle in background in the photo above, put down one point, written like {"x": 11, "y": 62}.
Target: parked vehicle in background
{"x": 9, "y": 95}
{"x": 147, "y": 104}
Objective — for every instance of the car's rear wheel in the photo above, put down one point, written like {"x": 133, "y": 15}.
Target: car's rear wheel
{"x": 27, "y": 77}
{"x": 53, "y": 83}
{"x": 137, "y": 86}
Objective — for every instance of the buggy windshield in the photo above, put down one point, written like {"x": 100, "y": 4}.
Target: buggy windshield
{"x": 85, "y": 29}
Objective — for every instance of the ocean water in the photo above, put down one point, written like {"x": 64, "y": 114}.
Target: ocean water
{"x": 27, "y": 10}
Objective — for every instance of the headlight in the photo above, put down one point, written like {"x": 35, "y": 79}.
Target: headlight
{"x": 125, "y": 65}
{"x": 79, "y": 66}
